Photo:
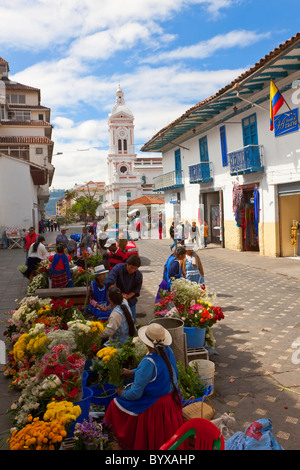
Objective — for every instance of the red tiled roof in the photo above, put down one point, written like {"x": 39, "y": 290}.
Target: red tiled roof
{"x": 26, "y": 106}
{"x": 143, "y": 200}
{"x": 271, "y": 56}
{"x": 25, "y": 140}
{"x": 4, "y": 62}
{"x": 24, "y": 123}
{"x": 19, "y": 86}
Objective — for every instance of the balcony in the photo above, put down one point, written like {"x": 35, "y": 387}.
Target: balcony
{"x": 171, "y": 180}
{"x": 201, "y": 173}
{"x": 246, "y": 160}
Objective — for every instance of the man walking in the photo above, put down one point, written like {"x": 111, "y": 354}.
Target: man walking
{"x": 128, "y": 278}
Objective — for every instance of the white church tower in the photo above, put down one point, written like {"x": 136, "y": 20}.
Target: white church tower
{"x": 123, "y": 181}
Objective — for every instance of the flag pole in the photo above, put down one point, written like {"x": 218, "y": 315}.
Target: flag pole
{"x": 287, "y": 105}
{"x": 291, "y": 111}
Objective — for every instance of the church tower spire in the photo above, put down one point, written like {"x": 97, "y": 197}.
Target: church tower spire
{"x": 123, "y": 181}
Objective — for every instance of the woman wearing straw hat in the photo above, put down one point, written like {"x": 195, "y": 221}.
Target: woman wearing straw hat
{"x": 146, "y": 415}
{"x": 99, "y": 304}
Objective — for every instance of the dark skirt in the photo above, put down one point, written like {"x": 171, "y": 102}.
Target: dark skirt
{"x": 32, "y": 264}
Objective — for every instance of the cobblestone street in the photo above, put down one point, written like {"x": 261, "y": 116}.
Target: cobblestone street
{"x": 253, "y": 349}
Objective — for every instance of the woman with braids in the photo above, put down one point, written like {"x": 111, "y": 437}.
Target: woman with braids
{"x": 37, "y": 253}
{"x": 120, "y": 325}
{"x": 147, "y": 415}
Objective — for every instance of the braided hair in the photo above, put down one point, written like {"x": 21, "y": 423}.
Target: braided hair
{"x": 160, "y": 350}
{"x": 115, "y": 295}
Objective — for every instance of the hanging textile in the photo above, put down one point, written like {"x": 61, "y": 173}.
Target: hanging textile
{"x": 256, "y": 210}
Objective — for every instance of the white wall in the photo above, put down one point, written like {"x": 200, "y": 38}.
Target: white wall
{"x": 281, "y": 159}
{"x": 17, "y": 194}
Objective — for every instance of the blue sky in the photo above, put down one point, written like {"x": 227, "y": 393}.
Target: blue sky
{"x": 167, "y": 55}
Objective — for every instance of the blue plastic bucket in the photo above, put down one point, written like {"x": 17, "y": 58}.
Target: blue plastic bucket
{"x": 84, "y": 378}
{"x": 84, "y": 404}
{"x": 108, "y": 391}
{"x": 195, "y": 337}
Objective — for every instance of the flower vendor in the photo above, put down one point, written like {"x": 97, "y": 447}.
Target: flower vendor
{"x": 191, "y": 266}
{"x": 146, "y": 415}
{"x": 99, "y": 304}
{"x": 172, "y": 269}
{"x": 120, "y": 324}
{"x": 60, "y": 273}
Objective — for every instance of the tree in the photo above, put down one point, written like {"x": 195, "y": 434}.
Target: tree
{"x": 84, "y": 207}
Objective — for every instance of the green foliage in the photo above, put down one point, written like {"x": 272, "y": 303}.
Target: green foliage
{"x": 189, "y": 381}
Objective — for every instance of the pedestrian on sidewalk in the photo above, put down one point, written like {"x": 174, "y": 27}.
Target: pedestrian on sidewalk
{"x": 172, "y": 235}
{"x": 37, "y": 253}
{"x": 206, "y": 231}
{"x": 195, "y": 234}
{"x": 120, "y": 325}
{"x": 129, "y": 279}
{"x": 172, "y": 269}
{"x": 160, "y": 227}
{"x": 179, "y": 233}
{"x": 30, "y": 238}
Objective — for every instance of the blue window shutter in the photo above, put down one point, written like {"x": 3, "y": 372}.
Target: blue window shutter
{"x": 203, "y": 149}
{"x": 177, "y": 160}
{"x": 223, "y": 145}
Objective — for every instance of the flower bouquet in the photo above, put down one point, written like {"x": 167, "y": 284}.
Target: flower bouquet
{"x": 202, "y": 315}
{"x": 86, "y": 335}
{"x": 88, "y": 435}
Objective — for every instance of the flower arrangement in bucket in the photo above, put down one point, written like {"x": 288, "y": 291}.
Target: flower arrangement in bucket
{"x": 193, "y": 304}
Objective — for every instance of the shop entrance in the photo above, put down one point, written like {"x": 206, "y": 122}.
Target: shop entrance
{"x": 246, "y": 209}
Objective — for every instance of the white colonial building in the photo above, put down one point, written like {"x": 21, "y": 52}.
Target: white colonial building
{"x": 227, "y": 167}
{"x": 26, "y": 150}
{"x": 123, "y": 181}
{"x": 129, "y": 176}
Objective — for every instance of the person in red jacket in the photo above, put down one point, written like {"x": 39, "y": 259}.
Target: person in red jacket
{"x": 115, "y": 253}
{"x": 30, "y": 238}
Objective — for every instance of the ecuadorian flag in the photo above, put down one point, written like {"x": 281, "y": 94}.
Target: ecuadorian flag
{"x": 276, "y": 101}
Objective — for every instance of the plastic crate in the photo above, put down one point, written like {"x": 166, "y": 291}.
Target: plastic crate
{"x": 197, "y": 353}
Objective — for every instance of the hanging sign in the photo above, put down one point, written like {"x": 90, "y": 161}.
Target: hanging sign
{"x": 286, "y": 122}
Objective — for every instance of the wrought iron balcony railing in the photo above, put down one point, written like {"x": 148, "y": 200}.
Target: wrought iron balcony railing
{"x": 246, "y": 160}
{"x": 201, "y": 172}
{"x": 173, "y": 179}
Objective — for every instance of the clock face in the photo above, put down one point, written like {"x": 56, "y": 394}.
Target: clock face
{"x": 122, "y": 133}
{"x": 123, "y": 169}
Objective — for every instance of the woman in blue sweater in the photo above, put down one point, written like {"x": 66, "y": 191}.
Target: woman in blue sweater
{"x": 147, "y": 415}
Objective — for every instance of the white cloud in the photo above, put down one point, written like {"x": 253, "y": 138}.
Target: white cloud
{"x": 204, "y": 49}
{"x": 39, "y": 24}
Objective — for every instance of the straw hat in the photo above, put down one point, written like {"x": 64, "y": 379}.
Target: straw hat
{"x": 154, "y": 334}
{"x": 100, "y": 270}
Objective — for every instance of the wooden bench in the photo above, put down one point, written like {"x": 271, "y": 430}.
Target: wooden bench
{"x": 78, "y": 294}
